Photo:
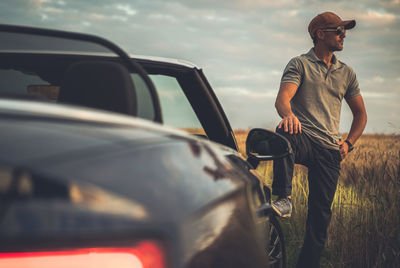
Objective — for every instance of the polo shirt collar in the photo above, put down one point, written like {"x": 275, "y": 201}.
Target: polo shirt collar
{"x": 311, "y": 56}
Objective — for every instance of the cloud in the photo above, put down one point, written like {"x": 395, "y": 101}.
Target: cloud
{"x": 51, "y": 10}
{"x": 215, "y": 18}
{"x": 238, "y": 4}
{"x": 392, "y": 5}
{"x": 249, "y": 94}
{"x": 36, "y": 3}
{"x": 119, "y": 18}
{"x": 127, "y": 9}
{"x": 86, "y": 24}
{"x": 163, "y": 17}
{"x": 376, "y": 18}
{"x": 97, "y": 16}
{"x": 44, "y": 17}
{"x": 252, "y": 75}
{"x": 254, "y": 4}
{"x": 374, "y": 95}
{"x": 376, "y": 80}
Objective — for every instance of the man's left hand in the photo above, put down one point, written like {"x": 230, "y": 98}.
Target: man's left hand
{"x": 343, "y": 148}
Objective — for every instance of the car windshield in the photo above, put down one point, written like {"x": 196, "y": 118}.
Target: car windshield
{"x": 22, "y": 42}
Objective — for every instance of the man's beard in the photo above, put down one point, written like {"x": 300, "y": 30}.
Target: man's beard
{"x": 337, "y": 47}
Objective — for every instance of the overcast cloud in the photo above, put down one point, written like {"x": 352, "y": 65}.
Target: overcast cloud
{"x": 242, "y": 45}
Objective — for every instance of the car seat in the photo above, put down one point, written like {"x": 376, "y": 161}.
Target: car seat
{"x": 99, "y": 84}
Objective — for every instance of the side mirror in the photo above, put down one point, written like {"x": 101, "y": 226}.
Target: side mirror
{"x": 263, "y": 145}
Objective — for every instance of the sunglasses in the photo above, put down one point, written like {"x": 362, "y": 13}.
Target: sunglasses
{"x": 338, "y": 30}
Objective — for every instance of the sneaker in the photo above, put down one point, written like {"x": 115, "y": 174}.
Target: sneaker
{"x": 282, "y": 207}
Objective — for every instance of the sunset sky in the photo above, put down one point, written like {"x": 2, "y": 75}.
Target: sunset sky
{"x": 242, "y": 45}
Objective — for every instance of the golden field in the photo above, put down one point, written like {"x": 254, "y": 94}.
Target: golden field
{"x": 365, "y": 226}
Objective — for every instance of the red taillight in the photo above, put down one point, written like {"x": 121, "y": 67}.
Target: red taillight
{"x": 146, "y": 254}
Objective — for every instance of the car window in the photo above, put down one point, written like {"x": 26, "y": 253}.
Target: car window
{"x": 17, "y": 81}
{"x": 26, "y": 83}
{"x": 144, "y": 99}
{"x": 176, "y": 109}
{"x": 37, "y": 76}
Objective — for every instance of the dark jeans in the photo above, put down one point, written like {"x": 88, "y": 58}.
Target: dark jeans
{"x": 323, "y": 172}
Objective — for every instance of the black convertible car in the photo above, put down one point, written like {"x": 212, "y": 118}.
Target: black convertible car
{"x": 92, "y": 176}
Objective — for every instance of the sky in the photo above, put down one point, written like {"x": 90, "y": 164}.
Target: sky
{"x": 242, "y": 45}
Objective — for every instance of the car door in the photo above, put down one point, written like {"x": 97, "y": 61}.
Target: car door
{"x": 188, "y": 102}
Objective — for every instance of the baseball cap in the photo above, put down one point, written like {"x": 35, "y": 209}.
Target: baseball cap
{"x": 327, "y": 20}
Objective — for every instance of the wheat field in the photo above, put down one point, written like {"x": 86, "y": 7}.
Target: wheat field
{"x": 365, "y": 225}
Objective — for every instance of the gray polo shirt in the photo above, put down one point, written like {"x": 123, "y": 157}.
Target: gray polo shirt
{"x": 318, "y": 100}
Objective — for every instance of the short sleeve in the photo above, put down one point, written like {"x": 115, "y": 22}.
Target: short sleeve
{"x": 352, "y": 89}
{"x": 293, "y": 72}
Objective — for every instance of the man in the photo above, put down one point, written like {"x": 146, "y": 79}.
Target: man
{"x": 309, "y": 101}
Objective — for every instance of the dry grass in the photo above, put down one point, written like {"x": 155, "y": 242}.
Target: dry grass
{"x": 365, "y": 226}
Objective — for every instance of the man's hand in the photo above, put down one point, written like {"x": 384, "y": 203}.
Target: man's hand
{"x": 357, "y": 107}
{"x": 343, "y": 148}
{"x": 290, "y": 124}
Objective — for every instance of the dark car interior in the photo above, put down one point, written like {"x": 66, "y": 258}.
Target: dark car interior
{"x": 97, "y": 82}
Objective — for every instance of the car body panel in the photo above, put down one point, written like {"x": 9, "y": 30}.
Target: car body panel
{"x": 91, "y": 173}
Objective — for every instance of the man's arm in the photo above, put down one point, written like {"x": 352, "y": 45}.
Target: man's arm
{"x": 282, "y": 104}
{"x": 357, "y": 107}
